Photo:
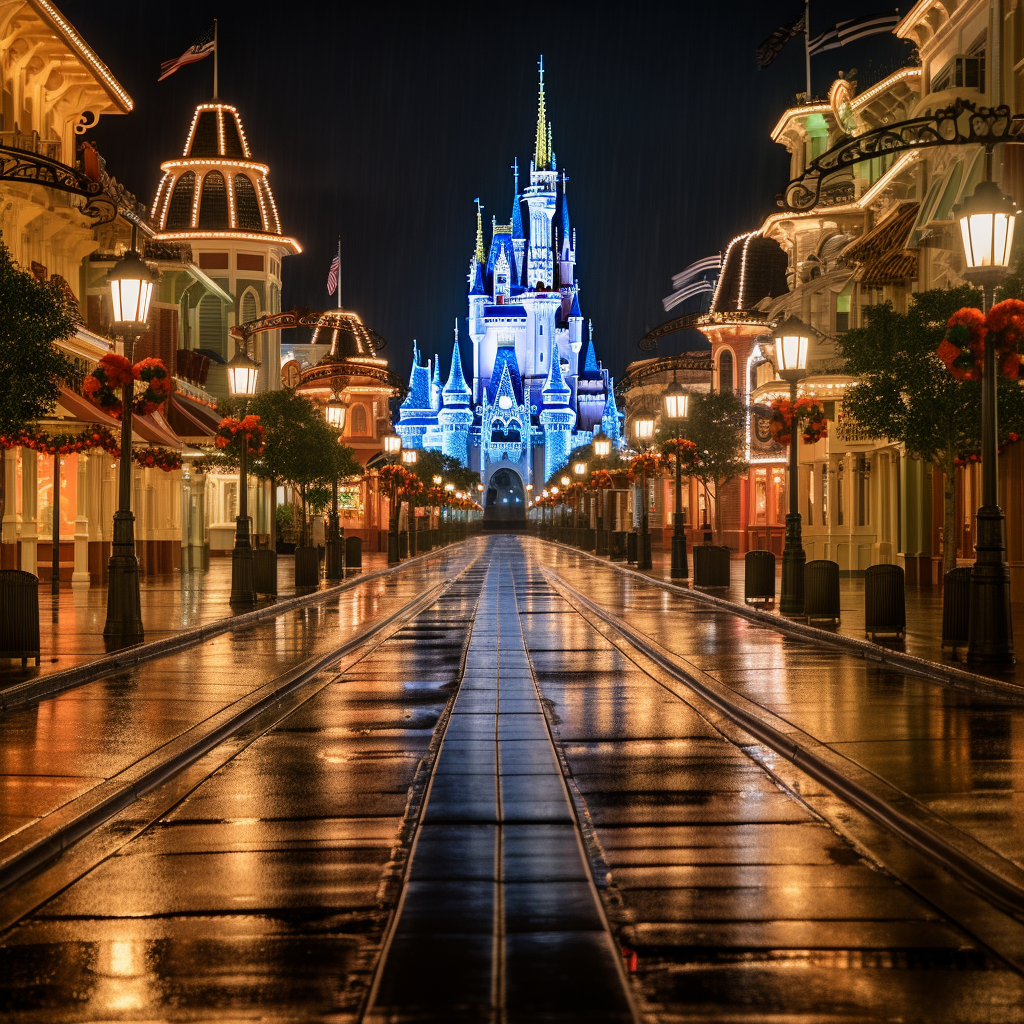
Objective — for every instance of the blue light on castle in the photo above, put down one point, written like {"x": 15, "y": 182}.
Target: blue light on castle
{"x": 529, "y": 402}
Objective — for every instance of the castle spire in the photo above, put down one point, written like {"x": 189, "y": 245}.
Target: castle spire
{"x": 542, "y": 146}
{"x": 481, "y": 256}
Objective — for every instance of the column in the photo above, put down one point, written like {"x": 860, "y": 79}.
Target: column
{"x": 29, "y": 510}
{"x": 12, "y": 520}
{"x": 80, "y": 578}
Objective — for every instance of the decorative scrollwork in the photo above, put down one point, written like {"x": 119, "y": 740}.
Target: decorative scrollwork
{"x": 649, "y": 342}
{"x": 332, "y": 319}
{"x": 329, "y": 372}
{"x": 960, "y": 124}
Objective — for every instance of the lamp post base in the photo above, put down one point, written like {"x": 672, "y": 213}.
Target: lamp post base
{"x": 243, "y": 576}
{"x": 334, "y": 557}
{"x": 643, "y": 558}
{"x": 124, "y": 604}
{"x": 791, "y": 603}
{"x": 680, "y": 563}
{"x": 393, "y": 558}
{"x": 990, "y": 638}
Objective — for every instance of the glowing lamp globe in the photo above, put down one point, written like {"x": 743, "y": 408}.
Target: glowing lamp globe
{"x": 566, "y": 481}
{"x": 791, "y": 341}
{"x": 243, "y": 374}
{"x": 602, "y": 446}
{"x": 409, "y": 456}
{"x": 986, "y": 226}
{"x": 449, "y": 488}
{"x": 392, "y": 443}
{"x": 643, "y": 428}
{"x": 437, "y": 481}
{"x": 677, "y": 402}
{"x": 579, "y": 468}
{"x": 131, "y": 290}
{"x": 335, "y": 412}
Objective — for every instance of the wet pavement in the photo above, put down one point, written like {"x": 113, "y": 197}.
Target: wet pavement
{"x": 558, "y": 837}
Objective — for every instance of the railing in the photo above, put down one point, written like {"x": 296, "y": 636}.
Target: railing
{"x": 31, "y": 142}
{"x": 849, "y": 431}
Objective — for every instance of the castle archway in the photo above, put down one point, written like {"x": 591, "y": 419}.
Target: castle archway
{"x": 505, "y": 498}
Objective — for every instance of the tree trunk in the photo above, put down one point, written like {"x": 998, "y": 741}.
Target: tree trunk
{"x": 948, "y": 470}
{"x": 303, "y": 538}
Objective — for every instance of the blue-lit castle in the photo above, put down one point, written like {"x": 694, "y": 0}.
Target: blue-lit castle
{"x": 531, "y": 399}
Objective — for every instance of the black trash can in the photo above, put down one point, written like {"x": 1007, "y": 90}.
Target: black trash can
{"x": 19, "y": 615}
{"x": 589, "y": 540}
{"x": 821, "y": 591}
{"x": 712, "y": 565}
{"x": 956, "y": 607}
{"x": 885, "y": 605}
{"x": 307, "y": 567}
{"x": 631, "y": 546}
{"x": 264, "y": 568}
{"x": 353, "y": 553}
{"x": 759, "y": 577}
{"x": 618, "y": 550}
{"x": 403, "y": 545}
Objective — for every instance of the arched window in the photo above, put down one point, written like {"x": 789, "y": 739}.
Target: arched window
{"x": 249, "y": 217}
{"x": 249, "y": 306}
{"x": 359, "y": 420}
{"x": 725, "y": 381}
{"x": 213, "y": 205}
{"x": 179, "y": 210}
{"x": 211, "y": 324}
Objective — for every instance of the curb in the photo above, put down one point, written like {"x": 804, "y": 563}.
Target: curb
{"x": 851, "y": 644}
{"x": 108, "y": 664}
{"x": 797, "y": 747}
{"x": 115, "y": 794}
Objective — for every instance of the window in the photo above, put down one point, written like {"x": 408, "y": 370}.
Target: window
{"x": 211, "y": 324}
{"x": 249, "y": 216}
{"x": 248, "y": 306}
{"x": 843, "y": 309}
{"x": 359, "y": 420}
{"x": 213, "y": 206}
{"x": 725, "y": 383}
{"x": 179, "y": 210}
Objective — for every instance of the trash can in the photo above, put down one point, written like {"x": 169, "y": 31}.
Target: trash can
{"x": 618, "y": 549}
{"x": 712, "y": 565}
{"x": 631, "y": 547}
{"x": 264, "y": 568}
{"x": 353, "y": 553}
{"x": 589, "y": 539}
{"x": 403, "y": 545}
{"x": 759, "y": 577}
{"x": 307, "y": 567}
{"x": 19, "y": 615}
{"x": 821, "y": 590}
{"x": 885, "y": 606}
{"x": 956, "y": 607}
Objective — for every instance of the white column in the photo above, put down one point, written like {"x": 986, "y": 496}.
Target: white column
{"x": 80, "y": 577}
{"x": 29, "y": 510}
{"x": 12, "y": 520}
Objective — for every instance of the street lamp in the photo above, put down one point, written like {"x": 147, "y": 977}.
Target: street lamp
{"x": 391, "y": 444}
{"x": 677, "y": 410}
{"x": 409, "y": 458}
{"x": 243, "y": 374}
{"x": 791, "y": 342}
{"x": 334, "y": 414}
{"x": 131, "y": 289}
{"x": 986, "y": 226}
{"x": 602, "y": 447}
{"x": 643, "y": 431}
{"x": 579, "y": 470}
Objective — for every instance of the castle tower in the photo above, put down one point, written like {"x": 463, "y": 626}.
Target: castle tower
{"x": 540, "y": 197}
{"x": 415, "y": 414}
{"x": 217, "y": 199}
{"x": 557, "y": 418}
{"x": 456, "y": 416}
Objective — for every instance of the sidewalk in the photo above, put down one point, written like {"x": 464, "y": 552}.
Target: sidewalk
{"x": 924, "y": 616}
{"x": 71, "y": 628}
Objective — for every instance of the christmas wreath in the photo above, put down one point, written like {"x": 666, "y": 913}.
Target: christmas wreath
{"x": 963, "y": 347}
{"x": 808, "y": 412}
{"x": 153, "y": 374}
{"x": 114, "y": 373}
{"x": 413, "y": 486}
{"x": 646, "y": 463}
{"x": 230, "y": 429}
{"x": 394, "y": 475}
{"x": 64, "y": 443}
{"x": 157, "y": 458}
{"x": 600, "y": 480}
{"x": 687, "y": 450}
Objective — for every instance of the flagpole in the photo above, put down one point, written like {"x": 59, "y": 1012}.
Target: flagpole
{"x": 214, "y": 58}
{"x": 339, "y": 271}
{"x": 807, "y": 45}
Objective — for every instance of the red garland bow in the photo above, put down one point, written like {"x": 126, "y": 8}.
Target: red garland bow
{"x": 807, "y": 410}
{"x": 64, "y": 443}
{"x": 229, "y": 429}
{"x": 962, "y": 349}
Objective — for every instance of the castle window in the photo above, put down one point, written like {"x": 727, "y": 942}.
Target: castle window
{"x": 725, "y": 382}
{"x": 213, "y": 206}
{"x": 358, "y": 419}
{"x": 249, "y": 217}
{"x": 179, "y": 211}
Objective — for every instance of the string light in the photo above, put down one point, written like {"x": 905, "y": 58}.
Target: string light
{"x": 214, "y": 161}
{"x": 721, "y": 276}
{"x": 245, "y": 236}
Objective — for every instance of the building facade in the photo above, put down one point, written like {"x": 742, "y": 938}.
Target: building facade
{"x": 537, "y": 389}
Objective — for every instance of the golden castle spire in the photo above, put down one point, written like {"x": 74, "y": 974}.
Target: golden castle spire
{"x": 481, "y": 256}
{"x": 542, "y": 147}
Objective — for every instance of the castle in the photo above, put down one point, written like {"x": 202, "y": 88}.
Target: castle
{"x": 531, "y": 399}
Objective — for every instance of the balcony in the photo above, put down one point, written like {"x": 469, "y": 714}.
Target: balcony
{"x": 31, "y": 142}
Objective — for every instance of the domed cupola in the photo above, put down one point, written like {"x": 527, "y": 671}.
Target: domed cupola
{"x": 216, "y": 189}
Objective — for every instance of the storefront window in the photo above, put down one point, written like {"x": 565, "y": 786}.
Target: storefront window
{"x": 760, "y": 495}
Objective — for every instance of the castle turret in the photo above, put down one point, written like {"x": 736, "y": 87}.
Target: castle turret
{"x": 456, "y": 415}
{"x": 415, "y": 414}
{"x": 435, "y": 385}
{"x": 540, "y": 198}
{"x": 518, "y": 238}
{"x": 611, "y": 418}
{"x": 557, "y": 418}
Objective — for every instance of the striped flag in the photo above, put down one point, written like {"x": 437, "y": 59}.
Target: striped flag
{"x": 202, "y": 47}
{"x": 332, "y": 275}
{"x": 772, "y": 46}
{"x": 843, "y": 32}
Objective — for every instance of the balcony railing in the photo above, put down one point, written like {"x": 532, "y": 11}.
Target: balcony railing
{"x": 31, "y": 142}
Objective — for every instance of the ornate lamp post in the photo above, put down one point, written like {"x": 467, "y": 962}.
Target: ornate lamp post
{"x": 677, "y": 409}
{"x": 579, "y": 470}
{"x": 392, "y": 445}
{"x": 986, "y": 226}
{"x": 243, "y": 374}
{"x": 643, "y": 431}
{"x": 335, "y": 413}
{"x": 409, "y": 457}
{"x": 131, "y": 289}
{"x": 791, "y": 342}
{"x": 565, "y": 482}
{"x": 602, "y": 449}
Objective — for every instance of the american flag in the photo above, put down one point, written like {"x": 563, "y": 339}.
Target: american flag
{"x": 843, "y": 32}
{"x": 201, "y": 48}
{"x": 332, "y": 275}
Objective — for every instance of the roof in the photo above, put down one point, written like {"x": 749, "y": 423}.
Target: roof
{"x": 882, "y": 252}
{"x": 509, "y": 312}
{"x": 477, "y": 288}
{"x": 456, "y": 391}
{"x": 754, "y": 268}
{"x": 590, "y": 367}
{"x": 575, "y": 308}
{"x": 517, "y": 219}
{"x": 419, "y": 386}
{"x": 504, "y": 358}
{"x": 555, "y": 387}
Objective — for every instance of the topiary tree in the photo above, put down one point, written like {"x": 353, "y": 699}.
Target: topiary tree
{"x": 34, "y": 316}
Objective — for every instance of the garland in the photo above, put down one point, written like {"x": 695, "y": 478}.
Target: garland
{"x": 229, "y": 429}
{"x": 807, "y": 410}
{"x": 114, "y": 373}
{"x": 646, "y": 463}
{"x": 413, "y": 486}
{"x": 64, "y": 443}
{"x": 394, "y": 474}
{"x": 962, "y": 350}
{"x": 600, "y": 479}
{"x": 687, "y": 450}
{"x": 157, "y": 458}
{"x": 967, "y": 457}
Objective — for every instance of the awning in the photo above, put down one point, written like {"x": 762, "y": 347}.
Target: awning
{"x": 209, "y": 284}
{"x": 78, "y": 408}
{"x": 197, "y": 419}
{"x": 882, "y": 252}
{"x": 155, "y": 429}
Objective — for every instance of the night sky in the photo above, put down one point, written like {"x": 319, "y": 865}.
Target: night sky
{"x": 382, "y": 123}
